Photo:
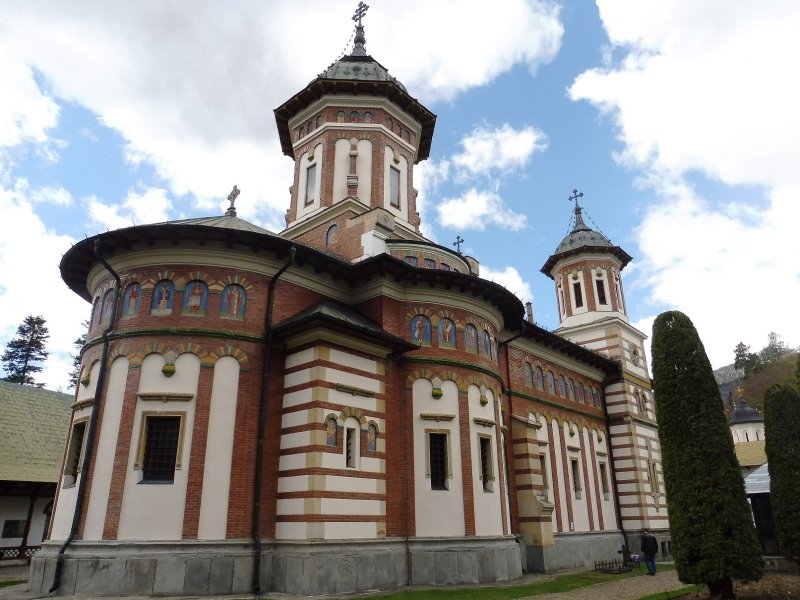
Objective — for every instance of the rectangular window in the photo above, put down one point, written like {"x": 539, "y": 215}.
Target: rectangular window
{"x": 14, "y": 528}
{"x": 576, "y": 478}
{"x": 350, "y": 447}
{"x": 543, "y": 470}
{"x": 437, "y": 460}
{"x": 487, "y": 473}
{"x": 576, "y": 289}
{"x": 311, "y": 184}
{"x": 394, "y": 187}
{"x": 604, "y": 480}
{"x": 601, "y": 291}
{"x": 159, "y": 446}
{"x": 72, "y": 466}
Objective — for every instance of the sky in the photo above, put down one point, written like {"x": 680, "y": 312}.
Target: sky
{"x": 677, "y": 120}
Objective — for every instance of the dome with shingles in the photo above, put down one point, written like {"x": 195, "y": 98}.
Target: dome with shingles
{"x": 745, "y": 414}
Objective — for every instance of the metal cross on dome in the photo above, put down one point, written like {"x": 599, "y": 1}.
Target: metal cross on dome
{"x": 231, "y": 212}
{"x": 575, "y": 195}
{"x": 361, "y": 10}
{"x": 458, "y": 243}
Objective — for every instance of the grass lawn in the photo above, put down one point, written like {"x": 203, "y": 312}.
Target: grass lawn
{"x": 560, "y": 583}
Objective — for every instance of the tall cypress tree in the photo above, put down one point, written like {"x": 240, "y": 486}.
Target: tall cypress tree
{"x": 713, "y": 537}
{"x": 781, "y": 427}
{"x": 24, "y": 352}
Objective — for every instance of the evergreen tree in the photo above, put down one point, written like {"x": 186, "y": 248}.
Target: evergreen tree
{"x": 781, "y": 427}
{"x": 76, "y": 358}
{"x": 25, "y": 351}
{"x": 712, "y": 530}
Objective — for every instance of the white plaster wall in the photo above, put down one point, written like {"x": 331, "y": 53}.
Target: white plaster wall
{"x": 219, "y": 450}
{"x": 591, "y": 471}
{"x": 559, "y": 478}
{"x": 155, "y": 511}
{"x": 341, "y": 168}
{"x": 296, "y": 483}
{"x": 292, "y": 461}
{"x": 580, "y": 514}
{"x": 350, "y": 531}
{"x": 488, "y": 515}
{"x": 351, "y": 360}
{"x": 298, "y": 397}
{"x": 300, "y": 358}
{"x": 14, "y": 508}
{"x": 754, "y": 431}
{"x": 291, "y": 531}
{"x": 106, "y": 450}
{"x": 364, "y": 170}
{"x": 89, "y": 391}
{"x": 437, "y": 512}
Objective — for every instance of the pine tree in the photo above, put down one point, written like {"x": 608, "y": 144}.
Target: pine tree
{"x": 76, "y": 358}
{"x": 712, "y": 531}
{"x": 25, "y": 351}
{"x": 781, "y": 427}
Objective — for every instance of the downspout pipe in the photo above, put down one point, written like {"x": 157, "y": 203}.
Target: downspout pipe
{"x": 613, "y": 471}
{"x": 262, "y": 418}
{"x": 89, "y": 441}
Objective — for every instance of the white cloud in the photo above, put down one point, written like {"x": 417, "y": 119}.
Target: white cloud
{"x": 502, "y": 148}
{"x": 707, "y": 87}
{"x": 139, "y": 207}
{"x": 29, "y": 257}
{"x": 51, "y": 195}
{"x": 26, "y": 114}
{"x": 476, "y": 209}
{"x": 510, "y": 279}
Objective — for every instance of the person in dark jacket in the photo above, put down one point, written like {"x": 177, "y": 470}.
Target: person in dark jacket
{"x": 649, "y": 549}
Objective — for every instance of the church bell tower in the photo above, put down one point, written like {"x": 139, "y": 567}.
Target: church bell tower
{"x": 586, "y": 268}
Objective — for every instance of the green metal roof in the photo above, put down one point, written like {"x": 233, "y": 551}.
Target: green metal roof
{"x": 33, "y": 431}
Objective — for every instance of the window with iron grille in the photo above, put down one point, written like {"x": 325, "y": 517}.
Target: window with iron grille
{"x": 437, "y": 449}
{"x": 487, "y": 474}
{"x": 350, "y": 447}
{"x": 160, "y": 448}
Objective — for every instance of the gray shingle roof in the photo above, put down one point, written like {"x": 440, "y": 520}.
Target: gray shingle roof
{"x": 33, "y": 431}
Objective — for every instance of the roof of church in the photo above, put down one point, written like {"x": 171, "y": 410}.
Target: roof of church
{"x": 744, "y": 414}
{"x": 583, "y": 239}
{"x": 344, "y": 317}
{"x": 757, "y": 482}
{"x": 356, "y": 73}
{"x": 34, "y": 430}
{"x": 751, "y": 454}
{"x": 224, "y": 222}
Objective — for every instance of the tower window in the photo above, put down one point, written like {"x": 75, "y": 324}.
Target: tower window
{"x": 311, "y": 184}
{"x": 601, "y": 291}
{"x": 576, "y": 289}
{"x": 604, "y": 480}
{"x": 72, "y": 465}
{"x": 543, "y": 470}
{"x": 437, "y": 460}
{"x": 394, "y": 187}
{"x": 487, "y": 475}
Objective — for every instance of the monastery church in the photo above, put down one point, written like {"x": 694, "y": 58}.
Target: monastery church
{"x": 345, "y": 405}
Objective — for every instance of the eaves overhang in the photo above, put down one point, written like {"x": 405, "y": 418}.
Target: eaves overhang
{"x": 615, "y": 251}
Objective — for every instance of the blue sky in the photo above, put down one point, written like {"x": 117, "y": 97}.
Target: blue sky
{"x": 677, "y": 120}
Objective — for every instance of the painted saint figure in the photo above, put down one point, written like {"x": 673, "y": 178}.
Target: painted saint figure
{"x": 421, "y": 330}
{"x": 162, "y": 297}
{"x": 195, "y": 299}
{"x": 233, "y": 302}
{"x": 447, "y": 334}
{"x": 330, "y": 428}
{"x": 372, "y": 438}
{"x": 471, "y": 338}
{"x": 130, "y": 305}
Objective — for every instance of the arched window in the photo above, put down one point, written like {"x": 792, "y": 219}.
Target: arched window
{"x": 471, "y": 338}
{"x": 539, "y": 378}
{"x": 551, "y": 383}
{"x": 131, "y": 301}
{"x": 163, "y": 296}
{"x": 389, "y": 123}
{"x": 195, "y": 298}
{"x": 319, "y": 120}
{"x": 430, "y": 263}
{"x": 352, "y": 443}
{"x": 562, "y": 387}
{"x": 487, "y": 343}
{"x": 571, "y": 389}
{"x": 331, "y": 431}
{"x": 108, "y": 301}
{"x": 331, "y": 235}
{"x": 301, "y": 133}
{"x": 372, "y": 437}
{"x": 367, "y": 117}
{"x": 444, "y": 267}
{"x": 640, "y": 402}
{"x": 234, "y": 299}
{"x": 340, "y": 116}
{"x": 528, "y": 374}
{"x": 581, "y": 393}
{"x": 95, "y": 312}
{"x": 411, "y": 260}
{"x": 598, "y": 399}
{"x": 354, "y": 116}
{"x": 447, "y": 333}
{"x": 421, "y": 330}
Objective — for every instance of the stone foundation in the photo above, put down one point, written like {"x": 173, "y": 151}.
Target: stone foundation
{"x": 304, "y": 568}
{"x": 574, "y": 550}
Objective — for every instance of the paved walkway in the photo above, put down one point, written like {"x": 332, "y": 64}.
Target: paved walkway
{"x": 624, "y": 589}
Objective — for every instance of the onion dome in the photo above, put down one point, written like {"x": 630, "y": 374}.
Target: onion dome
{"x": 744, "y": 414}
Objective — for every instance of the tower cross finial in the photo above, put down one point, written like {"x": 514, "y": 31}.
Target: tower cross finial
{"x": 361, "y": 10}
{"x": 231, "y": 212}
{"x": 458, "y": 243}
{"x": 575, "y": 196}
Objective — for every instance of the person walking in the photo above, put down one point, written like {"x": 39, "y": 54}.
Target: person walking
{"x": 649, "y": 547}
